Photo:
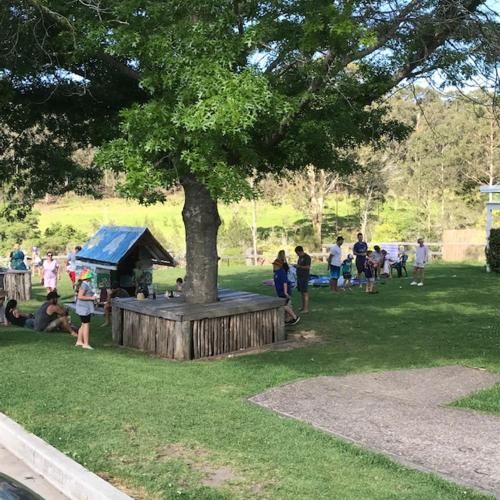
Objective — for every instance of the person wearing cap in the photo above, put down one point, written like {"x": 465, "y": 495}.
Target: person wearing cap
{"x": 284, "y": 290}
{"x": 85, "y": 307}
{"x": 51, "y": 317}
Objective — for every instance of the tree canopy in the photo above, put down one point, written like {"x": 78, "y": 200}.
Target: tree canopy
{"x": 208, "y": 93}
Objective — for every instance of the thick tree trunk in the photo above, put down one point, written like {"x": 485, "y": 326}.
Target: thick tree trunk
{"x": 201, "y": 221}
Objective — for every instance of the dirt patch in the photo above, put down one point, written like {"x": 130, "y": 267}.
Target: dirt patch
{"x": 304, "y": 336}
{"x": 218, "y": 476}
{"x": 178, "y": 451}
{"x": 200, "y": 460}
{"x": 123, "y": 486}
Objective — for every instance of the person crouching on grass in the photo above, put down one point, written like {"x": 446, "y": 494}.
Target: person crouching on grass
{"x": 370, "y": 272}
{"x": 85, "y": 308}
{"x": 284, "y": 290}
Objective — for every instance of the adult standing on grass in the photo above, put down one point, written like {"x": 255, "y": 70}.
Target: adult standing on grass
{"x": 17, "y": 258}
{"x": 50, "y": 272}
{"x": 36, "y": 262}
{"x": 421, "y": 259}
{"x": 284, "y": 290}
{"x": 282, "y": 256}
{"x": 303, "y": 267}
{"x": 334, "y": 263}
{"x": 85, "y": 308}
{"x": 359, "y": 250}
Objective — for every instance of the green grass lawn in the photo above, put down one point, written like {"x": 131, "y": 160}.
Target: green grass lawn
{"x": 166, "y": 217}
{"x": 158, "y": 427}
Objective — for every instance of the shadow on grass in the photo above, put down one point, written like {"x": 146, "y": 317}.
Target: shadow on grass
{"x": 450, "y": 320}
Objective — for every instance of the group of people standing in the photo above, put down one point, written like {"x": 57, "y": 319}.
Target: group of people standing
{"x": 47, "y": 269}
{"x": 283, "y": 283}
{"x": 370, "y": 263}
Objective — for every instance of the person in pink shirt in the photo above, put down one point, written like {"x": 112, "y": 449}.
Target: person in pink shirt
{"x": 50, "y": 272}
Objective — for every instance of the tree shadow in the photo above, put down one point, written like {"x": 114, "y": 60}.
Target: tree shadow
{"x": 452, "y": 320}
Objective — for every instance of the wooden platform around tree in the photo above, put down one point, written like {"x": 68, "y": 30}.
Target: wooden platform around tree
{"x": 174, "y": 329}
{"x": 17, "y": 284}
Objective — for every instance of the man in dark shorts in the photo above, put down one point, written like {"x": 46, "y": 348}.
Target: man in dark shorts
{"x": 359, "y": 249}
{"x": 303, "y": 267}
{"x": 51, "y": 317}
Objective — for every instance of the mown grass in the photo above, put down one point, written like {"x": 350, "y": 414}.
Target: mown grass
{"x": 158, "y": 426}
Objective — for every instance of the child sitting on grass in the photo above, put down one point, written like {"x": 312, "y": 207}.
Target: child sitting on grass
{"x": 347, "y": 273}
{"x": 370, "y": 272}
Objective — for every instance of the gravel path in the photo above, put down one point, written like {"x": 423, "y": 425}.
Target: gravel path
{"x": 402, "y": 414}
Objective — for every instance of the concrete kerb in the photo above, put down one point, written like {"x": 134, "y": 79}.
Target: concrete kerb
{"x": 69, "y": 477}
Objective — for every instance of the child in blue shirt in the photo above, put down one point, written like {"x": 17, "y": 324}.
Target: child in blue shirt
{"x": 346, "y": 269}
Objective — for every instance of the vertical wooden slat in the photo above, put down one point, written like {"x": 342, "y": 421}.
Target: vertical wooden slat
{"x": 117, "y": 325}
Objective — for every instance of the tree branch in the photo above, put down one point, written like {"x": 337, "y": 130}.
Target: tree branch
{"x": 64, "y": 22}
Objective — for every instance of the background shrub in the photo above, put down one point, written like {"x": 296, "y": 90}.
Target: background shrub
{"x": 493, "y": 252}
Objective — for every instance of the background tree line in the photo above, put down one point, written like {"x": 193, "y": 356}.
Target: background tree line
{"x": 420, "y": 186}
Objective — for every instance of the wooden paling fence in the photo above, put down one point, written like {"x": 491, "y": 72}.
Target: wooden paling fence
{"x": 17, "y": 284}
{"x": 214, "y": 336}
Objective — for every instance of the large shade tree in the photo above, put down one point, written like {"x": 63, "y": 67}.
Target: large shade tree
{"x": 211, "y": 93}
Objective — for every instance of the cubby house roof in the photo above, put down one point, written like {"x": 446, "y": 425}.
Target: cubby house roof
{"x": 111, "y": 245}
